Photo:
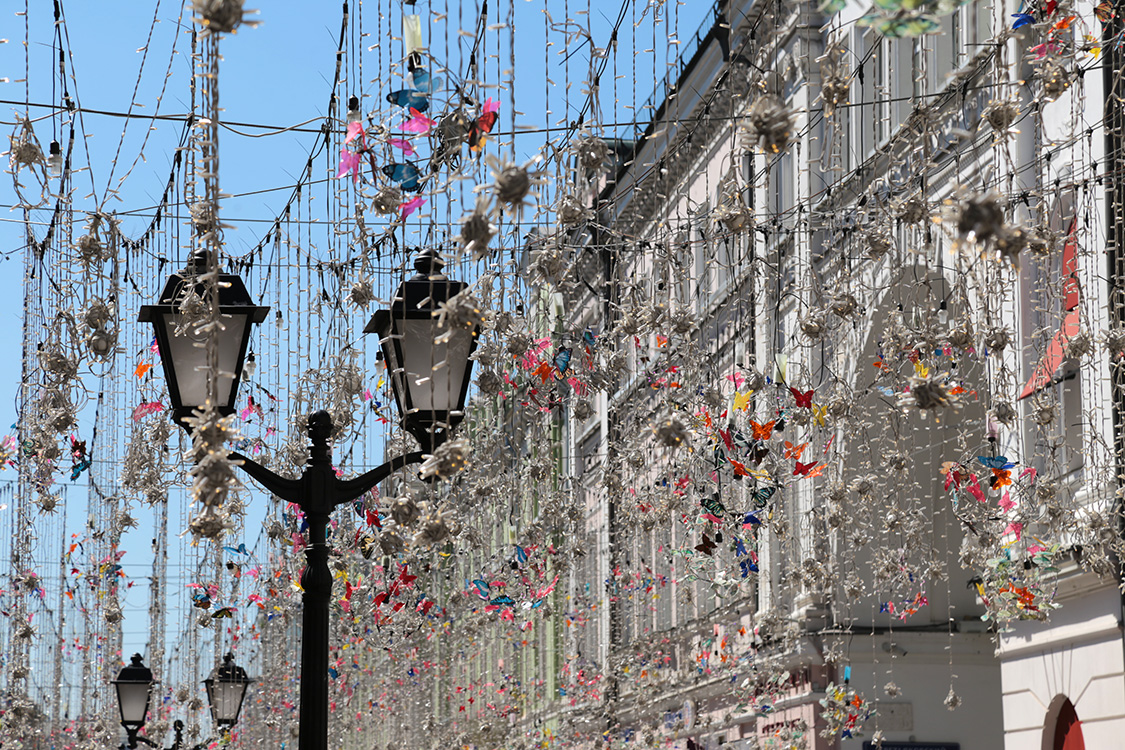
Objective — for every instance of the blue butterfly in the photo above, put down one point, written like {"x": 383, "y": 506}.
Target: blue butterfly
{"x": 995, "y": 462}
{"x": 739, "y": 547}
{"x": 502, "y": 601}
{"x": 1022, "y": 19}
{"x": 589, "y": 338}
{"x": 562, "y": 360}
{"x": 239, "y": 550}
{"x": 747, "y": 567}
{"x": 521, "y": 554}
{"x": 762, "y": 496}
{"x": 78, "y": 469}
{"x": 713, "y": 506}
{"x": 482, "y": 588}
{"x": 408, "y": 176}
{"x": 752, "y": 519}
{"x": 417, "y": 97}
{"x": 333, "y": 673}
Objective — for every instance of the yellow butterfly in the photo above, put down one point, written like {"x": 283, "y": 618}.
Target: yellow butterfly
{"x": 819, "y": 414}
{"x": 742, "y": 400}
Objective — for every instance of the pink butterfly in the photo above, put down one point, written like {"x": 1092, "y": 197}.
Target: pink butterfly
{"x": 355, "y": 130}
{"x": 143, "y": 409}
{"x": 404, "y": 144}
{"x": 349, "y": 162}
{"x": 411, "y": 206}
{"x": 418, "y": 123}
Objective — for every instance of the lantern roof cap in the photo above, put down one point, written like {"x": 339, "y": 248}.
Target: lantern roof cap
{"x": 135, "y": 671}
{"x": 232, "y": 290}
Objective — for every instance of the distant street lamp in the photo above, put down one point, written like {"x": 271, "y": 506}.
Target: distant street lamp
{"x": 226, "y": 689}
{"x": 429, "y": 370}
{"x": 134, "y": 685}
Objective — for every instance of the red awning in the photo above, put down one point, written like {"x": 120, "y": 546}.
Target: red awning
{"x": 1056, "y": 353}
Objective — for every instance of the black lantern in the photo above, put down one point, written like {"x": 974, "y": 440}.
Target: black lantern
{"x": 226, "y": 689}
{"x": 428, "y": 364}
{"x": 182, "y": 354}
{"x": 134, "y": 685}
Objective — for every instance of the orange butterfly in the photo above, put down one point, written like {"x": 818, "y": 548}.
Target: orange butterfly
{"x": 739, "y": 468}
{"x": 805, "y": 470}
{"x": 762, "y": 431}
{"x": 804, "y": 400}
{"x": 1063, "y": 24}
{"x": 794, "y": 451}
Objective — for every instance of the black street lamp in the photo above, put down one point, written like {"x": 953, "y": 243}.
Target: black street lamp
{"x": 428, "y": 365}
{"x": 430, "y": 388}
{"x": 133, "y": 685}
{"x": 183, "y": 355}
{"x": 226, "y": 689}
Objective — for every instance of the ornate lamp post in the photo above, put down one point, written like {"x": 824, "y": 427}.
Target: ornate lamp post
{"x": 430, "y": 381}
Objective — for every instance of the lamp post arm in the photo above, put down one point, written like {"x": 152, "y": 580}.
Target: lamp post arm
{"x": 350, "y": 489}
{"x": 286, "y": 489}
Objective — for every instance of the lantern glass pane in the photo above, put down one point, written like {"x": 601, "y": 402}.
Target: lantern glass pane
{"x": 434, "y": 371}
{"x": 226, "y": 698}
{"x": 190, "y": 360}
{"x": 132, "y": 697}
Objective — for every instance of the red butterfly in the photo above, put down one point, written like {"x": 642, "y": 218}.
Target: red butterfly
{"x": 483, "y": 125}
{"x": 805, "y": 469}
{"x": 804, "y": 400}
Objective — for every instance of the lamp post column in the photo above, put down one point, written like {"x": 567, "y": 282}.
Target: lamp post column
{"x": 317, "y": 492}
{"x": 316, "y": 580}
{"x": 318, "y": 499}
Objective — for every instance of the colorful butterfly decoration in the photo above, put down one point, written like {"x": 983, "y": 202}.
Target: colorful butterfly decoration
{"x": 483, "y": 125}
{"x": 418, "y": 123}
{"x": 417, "y": 97}
{"x": 995, "y": 462}
{"x": 706, "y": 546}
{"x": 762, "y": 495}
{"x": 562, "y": 361}
{"x": 794, "y": 451}
{"x": 762, "y": 431}
{"x": 803, "y": 399}
{"x": 406, "y": 175}
{"x": 713, "y": 507}
{"x": 806, "y": 470}
{"x": 78, "y": 468}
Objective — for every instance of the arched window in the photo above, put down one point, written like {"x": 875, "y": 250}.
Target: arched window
{"x": 1068, "y": 729}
